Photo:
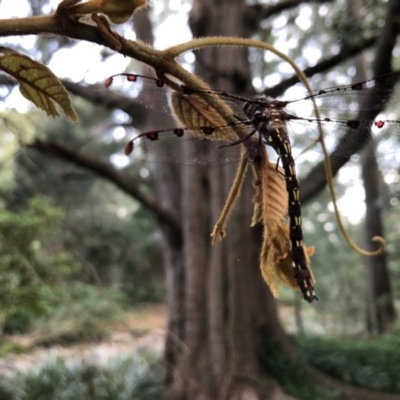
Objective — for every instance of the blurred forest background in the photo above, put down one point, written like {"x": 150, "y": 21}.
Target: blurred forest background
{"x": 89, "y": 236}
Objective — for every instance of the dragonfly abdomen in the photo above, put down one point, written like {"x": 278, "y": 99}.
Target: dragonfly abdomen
{"x": 276, "y": 136}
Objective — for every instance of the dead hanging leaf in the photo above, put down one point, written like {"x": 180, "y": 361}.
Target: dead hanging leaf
{"x": 276, "y": 259}
{"x": 274, "y": 195}
{"x": 38, "y": 84}
{"x": 270, "y": 208}
{"x": 194, "y": 111}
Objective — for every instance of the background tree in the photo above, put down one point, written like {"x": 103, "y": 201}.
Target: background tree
{"x": 219, "y": 309}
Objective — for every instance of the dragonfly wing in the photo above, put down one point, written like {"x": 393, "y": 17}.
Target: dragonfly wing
{"x": 187, "y": 150}
{"x": 155, "y": 94}
{"x": 372, "y": 94}
{"x": 346, "y": 137}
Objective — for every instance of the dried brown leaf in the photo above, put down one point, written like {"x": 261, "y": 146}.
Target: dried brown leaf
{"x": 194, "y": 112}
{"x": 271, "y": 198}
{"x": 276, "y": 259}
{"x": 276, "y": 254}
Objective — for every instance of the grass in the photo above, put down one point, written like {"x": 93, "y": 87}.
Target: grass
{"x": 74, "y": 314}
{"x": 293, "y": 380}
{"x": 85, "y": 314}
{"x": 11, "y": 348}
{"x": 372, "y": 363}
{"x": 138, "y": 377}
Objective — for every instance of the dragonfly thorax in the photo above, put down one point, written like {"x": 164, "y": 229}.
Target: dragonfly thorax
{"x": 264, "y": 114}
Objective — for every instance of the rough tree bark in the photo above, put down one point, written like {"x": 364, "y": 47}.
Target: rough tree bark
{"x": 380, "y": 311}
{"x": 226, "y": 303}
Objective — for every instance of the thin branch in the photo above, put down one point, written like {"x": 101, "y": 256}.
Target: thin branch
{"x": 322, "y": 66}
{"x": 57, "y": 24}
{"x": 107, "y": 171}
{"x": 316, "y": 179}
{"x": 97, "y": 94}
{"x": 265, "y": 12}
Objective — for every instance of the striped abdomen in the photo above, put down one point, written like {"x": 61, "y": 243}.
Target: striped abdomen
{"x": 274, "y": 132}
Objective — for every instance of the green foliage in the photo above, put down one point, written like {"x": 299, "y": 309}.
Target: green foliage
{"x": 77, "y": 312}
{"x": 339, "y": 272}
{"x": 137, "y": 377}
{"x": 37, "y": 83}
{"x": 74, "y": 312}
{"x": 369, "y": 363}
{"x": 11, "y": 348}
{"x": 291, "y": 376}
{"x": 29, "y": 258}
{"x": 106, "y": 230}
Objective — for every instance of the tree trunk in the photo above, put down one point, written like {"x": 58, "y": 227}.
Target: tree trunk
{"x": 226, "y": 304}
{"x": 380, "y": 311}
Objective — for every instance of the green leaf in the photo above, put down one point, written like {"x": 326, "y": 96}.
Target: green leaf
{"x": 38, "y": 84}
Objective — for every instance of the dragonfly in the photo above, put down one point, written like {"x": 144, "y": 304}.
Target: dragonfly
{"x": 344, "y": 136}
{"x": 266, "y": 121}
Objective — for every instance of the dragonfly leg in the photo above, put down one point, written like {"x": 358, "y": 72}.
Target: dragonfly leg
{"x": 277, "y": 167}
{"x": 240, "y": 140}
